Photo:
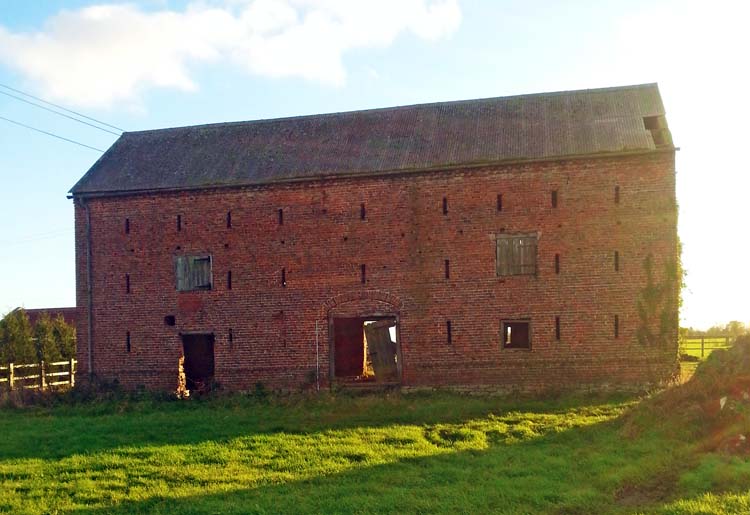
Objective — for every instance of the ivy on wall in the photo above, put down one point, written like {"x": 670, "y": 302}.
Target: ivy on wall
{"x": 658, "y": 305}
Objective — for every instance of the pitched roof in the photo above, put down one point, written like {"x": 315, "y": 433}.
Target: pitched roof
{"x": 408, "y": 138}
{"x": 68, "y": 314}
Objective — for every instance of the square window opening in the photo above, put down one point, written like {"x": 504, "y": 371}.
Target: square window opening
{"x": 193, "y": 273}
{"x": 516, "y": 334}
{"x": 516, "y": 254}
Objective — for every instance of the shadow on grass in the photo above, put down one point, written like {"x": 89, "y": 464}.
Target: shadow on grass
{"x": 578, "y": 470}
{"x": 62, "y": 431}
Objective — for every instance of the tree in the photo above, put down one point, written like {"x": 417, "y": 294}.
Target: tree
{"x": 47, "y": 347}
{"x": 65, "y": 337}
{"x": 16, "y": 338}
{"x": 735, "y": 328}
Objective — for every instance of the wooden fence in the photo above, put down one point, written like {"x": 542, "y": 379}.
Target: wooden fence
{"x": 702, "y": 346}
{"x": 40, "y": 376}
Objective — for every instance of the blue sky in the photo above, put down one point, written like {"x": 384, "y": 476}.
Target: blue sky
{"x": 151, "y": 64}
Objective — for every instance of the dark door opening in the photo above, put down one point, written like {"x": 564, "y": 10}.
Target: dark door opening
{"x": 365, "y": 349}
{"x": 198, "y": 350}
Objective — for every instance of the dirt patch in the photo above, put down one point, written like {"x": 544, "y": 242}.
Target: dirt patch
{"x": 647, "y": 493}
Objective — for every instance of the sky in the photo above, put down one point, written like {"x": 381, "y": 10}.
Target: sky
{"x": 152, "y": 64}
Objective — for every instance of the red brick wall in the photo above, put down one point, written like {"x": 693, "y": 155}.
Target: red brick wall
{"x": 404, "y": 242}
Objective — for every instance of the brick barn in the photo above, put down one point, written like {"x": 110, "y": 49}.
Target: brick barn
{"x": 524, "y": 242}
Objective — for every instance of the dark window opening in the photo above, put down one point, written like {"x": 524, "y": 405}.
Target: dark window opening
{"x": 281, "y": 216}
{"x": 617, "y": 261}
{"x": 283, "y": 277}
{"x": 617, "y": 326}
{"x": 657, "y": 125}
{"x": 362, "y": 212}
{"x": 516, "y": 255}
{"x": 229, "y": 219}
{"x": 198, "y": 351}
{"x": 516, "y": 334}
{"x": 447, "y": 269}
{"x": 193, "y": 273}
{"x": 127, "y": 283}
{"x": 499, "y": 202}
{"x": 557, "y": 328}
{"x": 557, "y": 263}
{"x": 127, "y": 341}
{"x": 179, "y": 222}
{"x": 365, "y": 349}
{"x": 363, "y": 270}
{"x": 554, "y": 198}
{"x": 229, "y": 280}
{"x": 127, "y": 226}
{"x": 449, "y": 331}
{"x": 169, "y": 320}
{"x": 445, "y": 205}
{"x": 617, "y": 194}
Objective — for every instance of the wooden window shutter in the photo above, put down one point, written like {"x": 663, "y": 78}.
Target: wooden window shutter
{"x": 181, "y": 273}
{"x": 504, "y": 256}
{"x": 201, "y": 272}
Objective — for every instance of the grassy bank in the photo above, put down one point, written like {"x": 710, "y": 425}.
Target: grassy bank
{"x": 428, "y": 453}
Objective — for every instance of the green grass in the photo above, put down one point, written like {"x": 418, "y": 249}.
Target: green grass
{"x": 419, "y": 453}
{"x": 692, "y": 346}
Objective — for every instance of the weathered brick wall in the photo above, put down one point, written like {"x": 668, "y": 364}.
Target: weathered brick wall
{"x": 404, "y": 241}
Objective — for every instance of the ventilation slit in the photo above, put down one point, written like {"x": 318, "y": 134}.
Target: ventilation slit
{"x": 127, "y": 283}
{"x": 281, "y": 216}
{"x": 283, "y": 277}
{"x": 362, "y": 212}
{"x": 499, "y": 202}
{"x": 617, "y": 261}
{"x": 554, "y": 198}
{"x": 179, "y": 222}
{"x": 229, "y": 280}
{"x": 127, "y": 226}
{"x": 229, "y": 219}
{"x": 557, "y": 328}
{"x": 445, "y": 205}
{"x": 363, "y": 269}
{"x": 447, "y": 269}
{"x": 617, "y": 194}
{"x": 127, "y": 341}
{"x": 557, "y": 263}
{"x": 617, "y": 326}
{"x": 449, "y": 331}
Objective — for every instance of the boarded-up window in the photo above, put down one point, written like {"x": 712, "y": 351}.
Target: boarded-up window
{"x": 516, "y": 334}
{"x": 193, "y": 273}
{"x": 516, "y": 255}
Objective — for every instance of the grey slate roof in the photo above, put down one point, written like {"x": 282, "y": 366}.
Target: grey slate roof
{"x": 408, "y": 138}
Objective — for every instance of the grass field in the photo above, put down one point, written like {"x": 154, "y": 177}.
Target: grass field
{"x": 692, "y": 346}
{"x": 418, "y": 453}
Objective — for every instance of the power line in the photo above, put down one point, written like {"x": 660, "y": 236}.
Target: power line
{"x": 58, "y": 113}
{"x": 50, "y": 134}
{"x": 61, "y": 107}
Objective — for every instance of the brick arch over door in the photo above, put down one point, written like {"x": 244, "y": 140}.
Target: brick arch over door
{"x": 363, "y": 302}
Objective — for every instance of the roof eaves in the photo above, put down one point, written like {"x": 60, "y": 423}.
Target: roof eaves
{"x": 366, "y": 174}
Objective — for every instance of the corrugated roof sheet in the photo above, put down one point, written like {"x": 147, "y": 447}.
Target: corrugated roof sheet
{"x": 418, "y": 137}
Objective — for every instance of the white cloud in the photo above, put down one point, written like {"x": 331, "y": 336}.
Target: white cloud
{"x": 104, "y": 54}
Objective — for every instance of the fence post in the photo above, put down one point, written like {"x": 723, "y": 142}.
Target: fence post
{"x": 703, "y": 347}
{"x": 11, "y": 375}
{"x": 42, "y": 379}
{"x": 71, "y": 371}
